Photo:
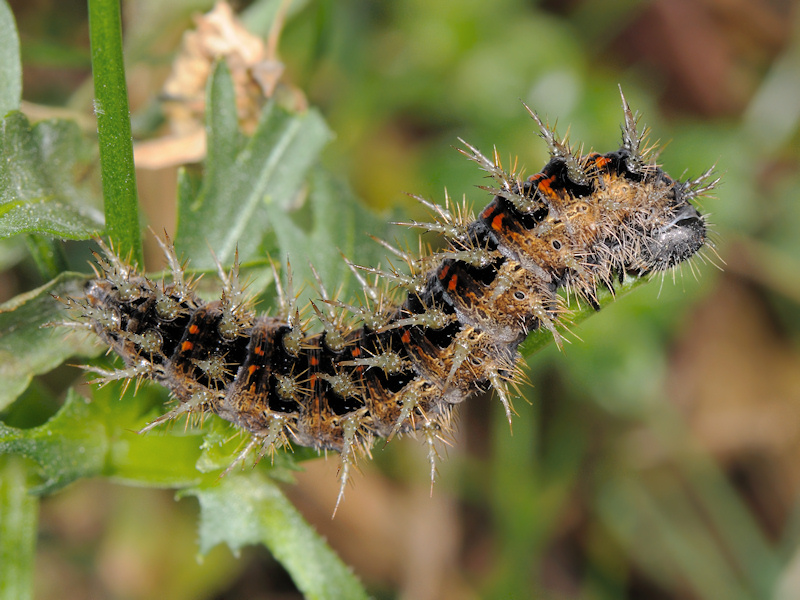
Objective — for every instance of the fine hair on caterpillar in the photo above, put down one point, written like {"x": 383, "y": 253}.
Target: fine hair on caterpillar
{"x": 420, "y": 342}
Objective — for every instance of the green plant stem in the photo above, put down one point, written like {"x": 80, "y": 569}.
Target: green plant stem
{"x": 542, "y": 337}
{"x": 114, "y": 129}
{"x": 18, "y": 520}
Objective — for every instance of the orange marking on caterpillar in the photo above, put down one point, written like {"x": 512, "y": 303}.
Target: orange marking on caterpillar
{"x": 601, "y": 161}
{"x": 497, "y": 222}
{"x": 545, "y": 185}
{"x": 193, "y": 329}
{"x": 186, "y": 346}
{"x": 451, "y": 285}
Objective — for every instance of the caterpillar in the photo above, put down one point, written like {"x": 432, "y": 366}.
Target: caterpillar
{"x": 401, "y": 362}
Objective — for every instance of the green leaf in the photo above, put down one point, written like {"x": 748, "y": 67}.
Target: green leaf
{"x": 98, "y": 437}
{"x": 331, "y": 223}
{"x": 40, "y": 168}
{"x": 71, "y": 445}
{"x": 244, "y": 176}
{"x": 10, "y": 65}
{"x": 114, "y": 129}
{"x": 251, "y": 509}
{"x": 138, "y": 458}
{"x": 18, "y": 519}
{"x": 27, "y": 346}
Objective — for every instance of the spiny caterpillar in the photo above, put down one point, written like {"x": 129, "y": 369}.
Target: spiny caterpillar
{"x": 384, "y": 367}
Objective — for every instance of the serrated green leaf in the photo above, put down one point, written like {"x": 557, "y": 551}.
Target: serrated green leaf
{"x": 334, "y": 222}
{"x": 225, "y": 141}
{"x": 27, "y": 347}
{"x": 71, "y": 445}
{"x": 10, "y": 65}
{"x": 86, "y": 438}
{"x": 251, "y": 509}
{"x": 39, "y": 168}
{"x": 244, "y": 175}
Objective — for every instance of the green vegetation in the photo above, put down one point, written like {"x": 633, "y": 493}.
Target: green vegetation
{"x": 654, "y": 455}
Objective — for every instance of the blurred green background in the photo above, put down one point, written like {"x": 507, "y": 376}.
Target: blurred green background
{"x": 657, "y": 455}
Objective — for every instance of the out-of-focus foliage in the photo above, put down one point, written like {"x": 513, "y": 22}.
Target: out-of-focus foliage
{"x": 656, "y": 455}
